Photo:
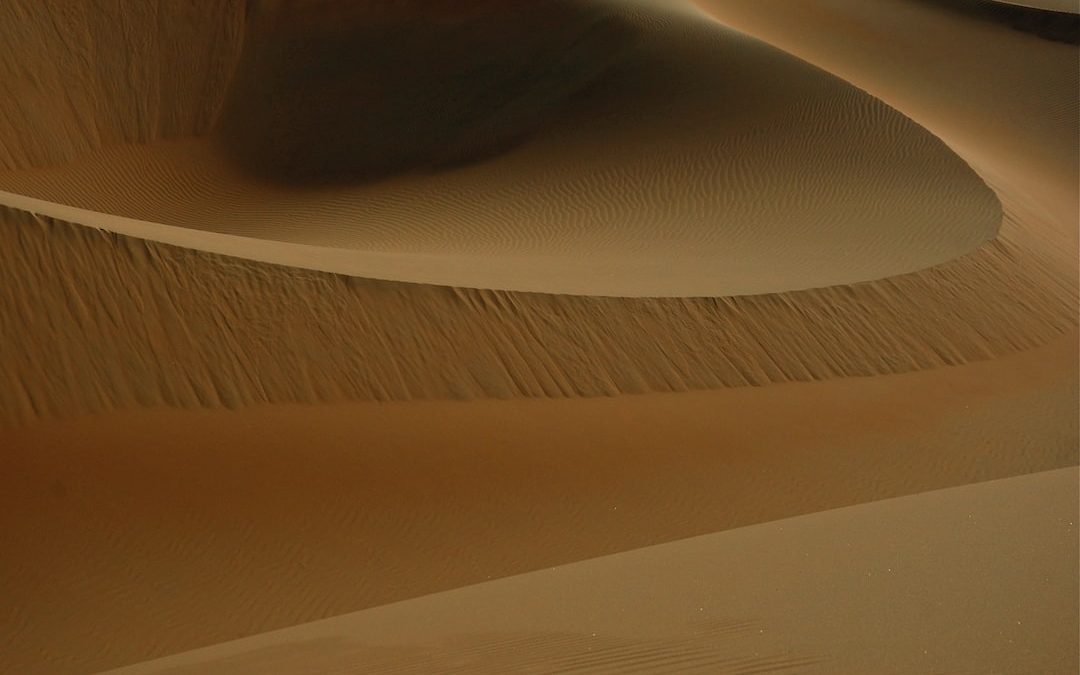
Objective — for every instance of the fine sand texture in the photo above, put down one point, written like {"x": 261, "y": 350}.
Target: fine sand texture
{"x": 689, "y": 161}
{"x": 987, "y": 548}
{"x": 190, "y": 329}
{"x": 171, "y": 530}
{"x": 730, "y": 270}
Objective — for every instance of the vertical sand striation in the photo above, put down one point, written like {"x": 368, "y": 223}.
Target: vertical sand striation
{"x": 694, "y": 161}
{"x": 97, "y": 321}
{"x": 168, "y": 522}
{"x": 77, "y": 76}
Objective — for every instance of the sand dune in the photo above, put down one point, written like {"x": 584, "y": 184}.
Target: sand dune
{"x": 1007, "y": 122}
{"x": 281, "y": 336}
{"x": 79, "y": 76}
{"x": 899, "y": 317}
{"x": 240, "y": 333}
{"x": 170, "y": 530}
{"x": 988, "y": 546}
{"x": 703, "y": 164}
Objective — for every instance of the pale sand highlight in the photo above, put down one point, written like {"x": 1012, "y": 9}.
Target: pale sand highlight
{"x": 300, "y": 337}
{"x": 871, "y": 578}
{"x": 169, "y": 530}
{"x": 138, "y": 533}
{"x": 198, "y": 330}
{"x": 705, "y": 164}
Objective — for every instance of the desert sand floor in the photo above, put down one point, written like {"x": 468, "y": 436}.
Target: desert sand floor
{"x": 912, "y": 584}
{"x": 164, "y": 489}
{"x": 177, "y": 529}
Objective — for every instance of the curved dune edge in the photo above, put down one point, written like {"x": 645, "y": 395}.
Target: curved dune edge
{"x": 337, "y": 508}
{"x": 706, "y": 164}
{"x": 1004, "y": 546}
{"x": 185, "y": 328}
{"x": 1065, "y": 6}
{"x": 99, "y": 321}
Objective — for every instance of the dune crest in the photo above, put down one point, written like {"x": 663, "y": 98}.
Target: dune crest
{"x": 338, "y": 92}
{"x": 830, "y": 284}
{"x": 293, "y": 335}
{"x": 700, "y": 162}
{"x": 282, "y": 335}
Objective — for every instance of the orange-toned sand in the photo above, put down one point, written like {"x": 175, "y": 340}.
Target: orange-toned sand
{"x": 881, "y": 240}
{"x": 881, "y": 568}
{"x": 703, "y": 163}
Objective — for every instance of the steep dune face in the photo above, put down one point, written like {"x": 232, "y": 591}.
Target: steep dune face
{"x": 99, "y": 322}
{"x": 340, "y": 91}
{"x": 245, "y": 333}
{"x": 700, "y": 163}
{"x": 168, "y": 520}
{"x": 76, "y": 76}
{"x": 137, "y": 534}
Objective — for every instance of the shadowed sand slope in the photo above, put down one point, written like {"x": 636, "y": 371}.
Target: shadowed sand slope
{"x": 75, "y": 76}
{"x": 97, "y": 322}
{"x": 190, "y": 329}
{"x": 137, "y": 534}
{"x": 689, "y": 160}
{"x": 862, "y": 593}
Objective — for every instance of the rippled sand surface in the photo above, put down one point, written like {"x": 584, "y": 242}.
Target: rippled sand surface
{"x": 756, "y": 317}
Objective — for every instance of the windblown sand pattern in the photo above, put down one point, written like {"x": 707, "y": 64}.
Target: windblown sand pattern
{"x": 307, "y": 364}
{"x": 943, "y": 541}
{"x": 205, "y": 330}
{"x": 110, "y": 72}
{"x": 701, "y": 163}
{"x": 738, "y": 213}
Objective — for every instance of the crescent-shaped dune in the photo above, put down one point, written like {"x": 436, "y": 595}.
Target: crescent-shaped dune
{"x": 700, "y": 163}
{"x": 836, "y": 263}
{"x": 295, "y": 336}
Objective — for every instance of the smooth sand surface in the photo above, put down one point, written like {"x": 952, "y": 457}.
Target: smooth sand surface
{"x": 908, "y": 585}
{"x": 1007, "y": 122}
{"x": 701, "y": 163}
{"x": 141, "y": 517}
{"x": 171, "y": 530}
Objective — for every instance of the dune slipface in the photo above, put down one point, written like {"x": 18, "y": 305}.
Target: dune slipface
{"x": 646, "y": 150}
{"x": 340, "y": 92}
{"x": 246, "y": 386}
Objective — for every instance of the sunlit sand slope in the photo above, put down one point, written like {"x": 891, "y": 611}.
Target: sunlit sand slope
{"x": 675, "y": 157}
{"x": 149, "y": 529}
{"x": 138, "y": 534}
{"x": 862, "y": 592}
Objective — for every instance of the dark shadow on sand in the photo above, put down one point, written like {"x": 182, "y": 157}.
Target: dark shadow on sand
{"x": 343, "y": 95}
